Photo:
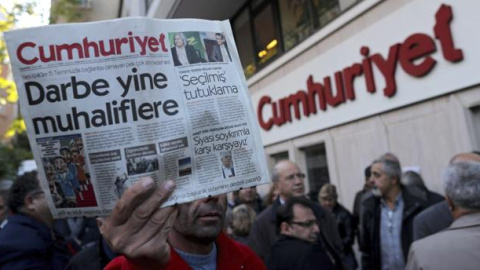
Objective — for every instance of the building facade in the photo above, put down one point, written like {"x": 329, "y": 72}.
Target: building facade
{"x": 337, "y": 83}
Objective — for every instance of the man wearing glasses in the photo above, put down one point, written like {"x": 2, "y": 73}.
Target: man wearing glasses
{"x": 289, "y": 182}
{"x": 28, "y": 241}
{"x": 300, "y": 245}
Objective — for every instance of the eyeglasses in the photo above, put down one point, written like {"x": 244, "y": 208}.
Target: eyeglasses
{"x": 298, "y": 175}
{"x": 36, "y": 193}
{"x": 305, "y": 224}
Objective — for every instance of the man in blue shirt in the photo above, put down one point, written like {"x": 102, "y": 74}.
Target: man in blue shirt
{"x": 386, "y": 227}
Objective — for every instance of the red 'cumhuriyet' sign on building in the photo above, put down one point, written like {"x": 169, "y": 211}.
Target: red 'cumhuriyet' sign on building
{"x": 414, "y": 56}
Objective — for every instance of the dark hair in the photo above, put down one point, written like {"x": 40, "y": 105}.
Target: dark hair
{"x": 411, "y": 178}
{"x": 65, "y": 148}
{"x": 4, "y": 194}
{"x": 220, "y": 35}
{"x": 285, "y": 212}
{"x": 390, "y": 167}
{"x": 24, "y": 185}
{"x": 368, "y": 171}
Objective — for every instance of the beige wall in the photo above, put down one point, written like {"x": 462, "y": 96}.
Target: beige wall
{"x": 424, "y": 135}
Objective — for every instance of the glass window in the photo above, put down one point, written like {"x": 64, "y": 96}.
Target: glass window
{"x": 317, "y": 168}
{"x": 267, "y": 45}
{"x": 244, "y": 41}
{"x": 475, "y": 114}
{"x": 278, "y": 26}
{"x": 327, "y": 10}
{"x": 296, "y": 21}
{"x": 280, "y": 156}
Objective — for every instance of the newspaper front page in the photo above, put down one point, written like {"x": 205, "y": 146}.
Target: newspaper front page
{"x": 110, "y": 102}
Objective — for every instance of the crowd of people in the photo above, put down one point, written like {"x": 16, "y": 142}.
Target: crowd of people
{"x": 397, "y": 222}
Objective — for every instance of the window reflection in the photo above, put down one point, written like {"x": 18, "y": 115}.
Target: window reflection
{"x": 280, "y": 25}
{"x": 297, "y": 23}
{"x": 327, "y": 10}
{"x": 317, "y": 167}
{"x": 264, "y": 27}
{"x": 244, "y": 41}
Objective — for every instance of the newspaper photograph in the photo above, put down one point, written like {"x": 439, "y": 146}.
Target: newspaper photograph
{"x": 108, "y": 103}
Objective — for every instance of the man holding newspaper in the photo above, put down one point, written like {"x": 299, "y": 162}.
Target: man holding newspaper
{"x": 177, "y": 237}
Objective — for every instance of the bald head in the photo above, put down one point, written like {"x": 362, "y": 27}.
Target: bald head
{"x": 288, "y": 179}
{"x": 465, "y": 157}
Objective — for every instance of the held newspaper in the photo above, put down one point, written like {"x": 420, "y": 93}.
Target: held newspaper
{"x": 110, "y": 102}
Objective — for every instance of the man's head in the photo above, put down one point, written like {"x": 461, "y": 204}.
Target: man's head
{"x": 73, "y": 145}
{"x": 390, "y": 156}
{"x": 288, "y": 179}
{"x": 246, "y": 195}
{"x": 328, "y": 196}
{"x": 462, "y": 187}
{"x": 66, "y": 154}
{"x": 226, "y": 157}
{"x": 296, "y": 218}
{"x": 368, "y": 181}
{"x": 220, "y": 38}
{"x": 60, "y": 164}
{"x": 27, "y": 197}
{"x": 386, "y": 176}
{"x": 411, "y": 178}
{"x": 3, "y": 204}
{"x": 79, "y": 143}
{"x": 465, "y": 157}
{"x": 243, "y": 217}
{"x": 49, "y": 169}
{"x": 200, "y": 221}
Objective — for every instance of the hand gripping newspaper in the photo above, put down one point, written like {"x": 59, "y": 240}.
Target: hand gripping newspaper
{"x": 107, "y": 103}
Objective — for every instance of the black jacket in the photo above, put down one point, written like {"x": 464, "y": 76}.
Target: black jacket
{"x": 96, "y": 256}
{"x": 26, "y": 243}
{"x": 264, "y": 233}
{"x": 217, "y": 53}
{"x": 192, "y": 55}
{"x": 290, "y": 253}
{"x": 370, "y": 247}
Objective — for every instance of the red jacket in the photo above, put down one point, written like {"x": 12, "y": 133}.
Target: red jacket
{"x": 231, "y": 255}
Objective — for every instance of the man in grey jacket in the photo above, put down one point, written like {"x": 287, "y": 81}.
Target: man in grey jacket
{"x": 457, "y": 247}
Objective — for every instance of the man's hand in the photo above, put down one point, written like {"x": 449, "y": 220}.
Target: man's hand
{"x": 138, "y": 228}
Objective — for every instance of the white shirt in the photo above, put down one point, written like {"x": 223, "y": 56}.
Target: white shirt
{"x": 182, "y": 56}
{"x": 228, "y": 172}
{"x": 225, "y": 56}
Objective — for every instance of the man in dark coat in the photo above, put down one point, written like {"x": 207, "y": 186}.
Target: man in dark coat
{"x": 300, "y": 245}
{"x": 327, "y": 197}
{"x": 220, "y": 52}
{"x": 361, "y": 194}
{"x": 386, "y": 220}
{"x": 27, "y": 241}
{"x": 414, "y": 179}
{"x": 289, "y": 182}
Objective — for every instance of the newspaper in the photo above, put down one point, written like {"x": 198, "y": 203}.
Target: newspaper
{"x": 110, "y": 102}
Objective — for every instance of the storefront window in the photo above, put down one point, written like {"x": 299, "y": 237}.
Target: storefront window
{"x": 317, "y": 168}
{"x": 244, "y": 41}
{"x": 280, "y": 156}
{"x": 278, "y": 26}
{"x": 327, "y": 10}
{"x": 475, "y": 114}
{"x": 297, "y": 23}
{"x": 267, "y": 42}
